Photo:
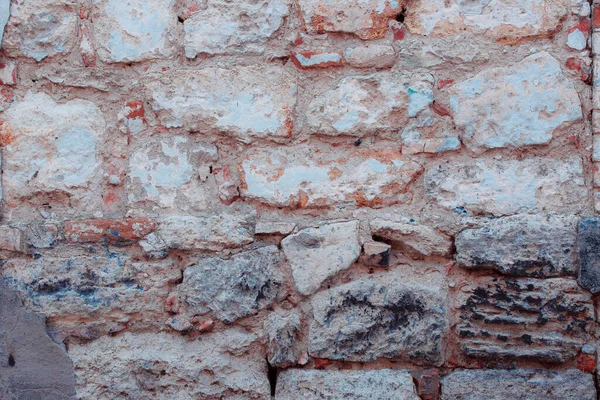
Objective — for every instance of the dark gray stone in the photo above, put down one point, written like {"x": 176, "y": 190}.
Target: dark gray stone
{"x": 518, "y": 384}
{"x": 589, "y": 253}
{"x": 32, "y": 366}
{"x": 521, "y": 245}
{"x": 381, "y": 317}
{"x": 506, "y": 319}
{"x": 285, "y": 347}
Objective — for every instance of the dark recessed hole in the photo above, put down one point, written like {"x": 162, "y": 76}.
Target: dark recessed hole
{"x": 400, "y": 17}
{"x": 272, "y": 375}
{"x": 358, "y": 142}
{"x": 11, "y": 360}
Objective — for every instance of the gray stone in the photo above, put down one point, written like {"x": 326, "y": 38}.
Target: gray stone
{"x": 11, "y": 239}
{"x": 4, "y": 14}
{"x": 41, "y": 236}
{"x": 383, "y": 384}
{"x": 224, "y": 365}
{"x": 316, "y": 254}
{"x": 589, "y": 253}
{"x": 233, "y": 288}
{"x": 285, "y": 346}
{"x": 525, "y": 384}
{"x": 32, "y": 366}
{"x": 382, "y": 317}
{"x": 521, "y": 245}
{"x": 414, "y": 239}
{"x": 510, "y": 319}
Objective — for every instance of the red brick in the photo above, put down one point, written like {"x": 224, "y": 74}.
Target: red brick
{"x": 428, "y": 384}
{"x": 114, "y": 230}
{"x": 586, "y": 363}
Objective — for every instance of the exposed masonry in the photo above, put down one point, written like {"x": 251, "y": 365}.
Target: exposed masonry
{"x": 308, "y": 199}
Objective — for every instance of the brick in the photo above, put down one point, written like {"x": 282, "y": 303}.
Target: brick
{"x": 378, "y": 317}
{"x": 381, "y": 384}
{"x": 209, "y": 232}
{"x": 38, "y": 29}
{"x": 413, "y": 239}
{"x": 11, "y": 239}
{"x": 113, "y": 230}
{"x": 514, "y": 106}
{"x": 366, "y": 19}
{"x": 316, "y": 59}
{"x": 508, "y": 319}
{"x": 370, "y": 56}
{"x": 428, "y": 384}
{"x": 316, "y": 254}
{"x": 232, "y": 288}
{"x": 496, "y": 384}
{"x": 528, "y": 19}
{"x": 303, "y": 177}
{"x": 380, "y": 103}
{"x": 244, "y": 102}
{"x": 540, "y": 246}
{"x": 224, "y": 27}
{"x": 596, "y": 17}
{"x": 224, "y": 365}
{"x": 170, "y": 172}
{"x": 134, "y": 30}
{"x": 55, "y": 149}
{"x": 506, "y": 187}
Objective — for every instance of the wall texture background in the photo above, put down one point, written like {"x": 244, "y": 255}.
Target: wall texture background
{"x": 309, "y": 199}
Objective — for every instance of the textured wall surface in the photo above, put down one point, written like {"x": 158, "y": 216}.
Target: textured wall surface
{"x": 299, "y": 199}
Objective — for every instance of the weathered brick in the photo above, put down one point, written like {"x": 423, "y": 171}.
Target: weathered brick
{"x": 373, "y": 104}
{"x": 170, "y": 172}
{"x": 526, "y": 19}
{"x": 307, "y": 177}
{"x": 413, "y": 239}
{"x": 382, "y": 384}
{"x": 244, "y": 102}
{"x": 41, "y": 28}
{"x": 134, "y": 30}
{"x": 224, "y": 27}
{"x": 379, "y": 317}
{"x": 366, "y": 19}
{"x": 113, "y": 230}
{"x": 144, "y": 365}
{"x": 370, "y": 56}
{"x": 56, "y": 148}
{"x": 522, "y": 245}
{"x": 523, "y": 319}
{"x": 515, "y": 106}
{"x": 502, "y": 187}
{"x": 132, "y": 117}
{"x": 209, "y": 232}
{"x": 496, "y": 384}
{"x": 232, "y": 288}
{"x": 428, "y": 384}
{"x": 316, "y": 59}
{"x": 316, "y": 254}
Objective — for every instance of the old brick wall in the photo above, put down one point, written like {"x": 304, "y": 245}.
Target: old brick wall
{"x": 305, "y": 199}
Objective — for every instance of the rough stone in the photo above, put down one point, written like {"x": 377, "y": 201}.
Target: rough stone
{"x": 380, "y": 317}
{"x": 303, "y": 177}
{"x": 532, "y": 384}
{"x": 503, "y": 187}
{"x": 370, "y": 56}
{"x": 40, "y": 28}
{"x": 32, "y": 366}
{"x": 317, "y": 254}
{"x": 134, "y": 30}
{"x": 316, "y": 59}
{"x": 588, "y": 246}
{"x": 233, "y": 288}
{"x": 285, "y": 346}
{"x": 506, "y": 21}
{"x": 376, "y": 254}
{"x": 540, "y": 246}
{"x": 209, "y": 232}
{"x": 169, "y": 172}
{"x": 11, "y": 239}
{"x": 382, "y": 384}
{"x": 41, "y": 236}
{"x": 225, "y": 27}
{"x": 8, "y": 70}
{"x": 516, "y": 105}
{"x": 244, "y": 102}
{"x": 84, "y": 295}
{"x": 161, "y": 365}
{"x": 55, "y": 149}
{"x": 415, "y": 240}
{"x": 366, "y": 19}
{"x": 274, "y": 228}
{"x": 368, "y": 105}
{"x": 509, "y": 319}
